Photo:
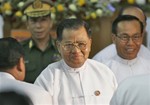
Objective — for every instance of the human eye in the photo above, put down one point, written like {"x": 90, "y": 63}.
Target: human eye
{"x": 68, "y": 45}
{"x": 136, "y": 37}
{"x": 32, "y": 20}
{"x": 82, "y": 45}
{"x": 124, "y": 37}
{"x": 44, "y": 19}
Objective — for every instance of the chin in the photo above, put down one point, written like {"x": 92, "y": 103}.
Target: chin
{"x": 131, "y": 57}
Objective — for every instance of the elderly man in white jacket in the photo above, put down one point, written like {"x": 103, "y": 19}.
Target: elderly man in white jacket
{"x": 77, "y": 80}
{"x": 12, "y": 72}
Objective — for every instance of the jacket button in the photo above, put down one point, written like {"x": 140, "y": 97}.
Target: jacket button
{"x": 97, "y": 93}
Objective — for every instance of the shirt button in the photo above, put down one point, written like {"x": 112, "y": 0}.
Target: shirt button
{"x": 97, "y": 93}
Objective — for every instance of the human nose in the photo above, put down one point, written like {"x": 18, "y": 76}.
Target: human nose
{"x": 75, "y": 48}
{"x": 130, "y": 40}
{"x": 37, "y": 24}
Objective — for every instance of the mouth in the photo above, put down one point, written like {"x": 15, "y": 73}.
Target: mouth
{"x": 38, "y": 32}
{"x": 130, "y": 50}
{"x": 76, "y": 56}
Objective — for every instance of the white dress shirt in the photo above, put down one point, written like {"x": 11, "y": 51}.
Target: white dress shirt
{"x": 133, "y": 91}
{"x": 91, "y": 84}
{"x": 38, "y": 95}
{"x": 123, "y": 68}
{"x": 110, "y": 51}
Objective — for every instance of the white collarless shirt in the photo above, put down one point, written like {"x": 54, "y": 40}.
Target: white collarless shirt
{"x": 133, "y": 91}
{"x": 123, "y": 68}
{"x": 37, "y": 94}
{"x": 91, "y": 84}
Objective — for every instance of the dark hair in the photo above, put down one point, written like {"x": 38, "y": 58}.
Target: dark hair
{"x": 14, "y": 98}
{"x": 121, "y": 18}
{"x": 132, "y": 6}
{"x": 72, "y": 24}
{"x": 10, "y": 53}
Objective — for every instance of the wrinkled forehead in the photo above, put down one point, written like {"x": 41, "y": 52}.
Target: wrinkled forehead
{"x": 75, "y": 34}
{"x": 129, "y": 25}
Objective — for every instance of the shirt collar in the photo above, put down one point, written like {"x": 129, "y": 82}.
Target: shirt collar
{"x": 6, "y": 75}
{"x": 125, "y": 61}
{"x": 70, "y": 69}
{"x": 33, "y": 44}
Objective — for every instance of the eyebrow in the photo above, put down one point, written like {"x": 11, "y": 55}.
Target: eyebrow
{"x": 74, "y": 42}
{"x": 128, "y": 34}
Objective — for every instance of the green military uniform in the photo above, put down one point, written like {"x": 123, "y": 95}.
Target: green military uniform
{"x": 36, "y": 60}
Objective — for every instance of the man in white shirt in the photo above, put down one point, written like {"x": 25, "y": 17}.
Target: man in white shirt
{"x": 133, "y": 91}
{"x": 12, "y": 72}
{"x": 107, "y": 53}
{"x": 77, "y": 80}
{"x": 127, "y": 35}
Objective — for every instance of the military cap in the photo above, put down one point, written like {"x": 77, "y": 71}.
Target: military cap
{"x": 37, "y": 8}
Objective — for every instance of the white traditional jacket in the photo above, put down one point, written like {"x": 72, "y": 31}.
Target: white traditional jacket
{"x": 110, "y": 51}
{"x": 123, "y": 68}
{"x": 133, "y": 91}
{"x": 91, "y": 84}
{"x": 38, "y": 95}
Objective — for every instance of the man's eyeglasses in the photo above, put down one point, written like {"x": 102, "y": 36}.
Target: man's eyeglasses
{"x": 71, "y": 46}
{"x": 126, "y": 38}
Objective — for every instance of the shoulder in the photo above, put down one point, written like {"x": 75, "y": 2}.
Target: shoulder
{"x": 25, "y": 42}
{"x": 100, "y": 67}
{"x": 134, "y": 85}
{"x": 144, "y": 52}
{"x": 94, "y": 62}
{"x": 105, "y": 53}
{"x": 52, "y": 68}
{"x": 20, "y": 86}
{"x": 102, "y": 71}
{"x": 136, "y": 80}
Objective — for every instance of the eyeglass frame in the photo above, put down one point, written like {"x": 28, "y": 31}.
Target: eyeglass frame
{"x": 135, "y": 38}
{"x": 73, "y": 45}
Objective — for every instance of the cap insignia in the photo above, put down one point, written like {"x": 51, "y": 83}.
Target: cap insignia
{"x": 37, "y": 4}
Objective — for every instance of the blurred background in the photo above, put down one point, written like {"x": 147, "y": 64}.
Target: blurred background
{"x": 98, "y": 13}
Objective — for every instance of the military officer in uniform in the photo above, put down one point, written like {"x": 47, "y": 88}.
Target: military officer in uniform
{"x": 40, "y": 49}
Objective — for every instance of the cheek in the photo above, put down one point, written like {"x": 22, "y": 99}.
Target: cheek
{"x": 119, "y": 46}
{"x": 138, "y": 45}
{"x": 46, "y": 25}
{"x": 30, "y": 27}
{"x": 86, "y": 52}
{"x": 63, "y": 53}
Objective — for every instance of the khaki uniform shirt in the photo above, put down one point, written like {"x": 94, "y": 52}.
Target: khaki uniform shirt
{"x": 37, "y": 60}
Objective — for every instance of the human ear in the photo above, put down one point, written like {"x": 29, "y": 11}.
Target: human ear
{"x": 58, "y": 46}
{"x": 113, "y": 37}
{"x": 21, "y": 69}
